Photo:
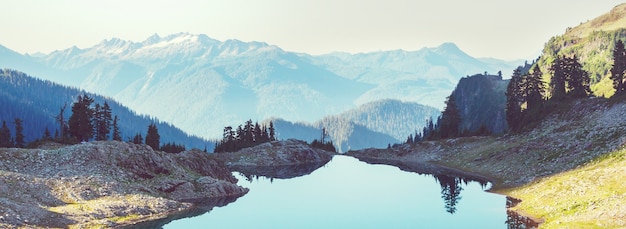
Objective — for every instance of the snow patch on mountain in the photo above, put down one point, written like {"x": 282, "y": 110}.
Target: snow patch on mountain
{"x": 201, "y": 84}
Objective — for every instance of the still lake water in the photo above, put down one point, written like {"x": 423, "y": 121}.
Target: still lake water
{"x": 348, "y": 193}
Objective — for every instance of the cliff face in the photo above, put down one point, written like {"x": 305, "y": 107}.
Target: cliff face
{"x": 105, "y": 183}
{"x": 481, "y": 100}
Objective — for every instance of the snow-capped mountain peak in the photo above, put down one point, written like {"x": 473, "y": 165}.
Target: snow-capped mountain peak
{"x": 152, "y": 39}
{"x": 114, "y": 46}
{"x": 238, "y": 79}
{"x": 235, "y": 47}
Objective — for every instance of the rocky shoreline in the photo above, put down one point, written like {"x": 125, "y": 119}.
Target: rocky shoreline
{"x": 425, "y": 167}
{"x": 119, "y": 184}
{"x": 573, "y": 136}
{"x": 109, "y": 184}
{"x": 276, "y": 153}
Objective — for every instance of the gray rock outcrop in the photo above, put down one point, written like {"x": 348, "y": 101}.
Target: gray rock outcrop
{"x": 105, "y": 184}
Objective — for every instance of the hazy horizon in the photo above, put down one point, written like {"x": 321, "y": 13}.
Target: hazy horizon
{"x": 482, "y": 29}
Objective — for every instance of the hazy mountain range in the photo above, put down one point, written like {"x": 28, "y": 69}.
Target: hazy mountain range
{"x": 201, "y": 84}
{"x": 374, "y": 124}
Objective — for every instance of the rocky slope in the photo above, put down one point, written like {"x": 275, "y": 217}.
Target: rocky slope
{"x": 575, "y": 133}
{"x": 277, "y": 153}
{"x": 105, "y": 184}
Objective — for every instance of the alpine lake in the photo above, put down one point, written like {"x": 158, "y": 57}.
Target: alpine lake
{"x": 348, "y": 193}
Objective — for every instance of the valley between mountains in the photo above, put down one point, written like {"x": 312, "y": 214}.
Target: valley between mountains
{"x": 550, "y": 134}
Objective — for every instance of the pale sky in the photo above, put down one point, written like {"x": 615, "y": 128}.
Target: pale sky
{"x": 482, "y": 28}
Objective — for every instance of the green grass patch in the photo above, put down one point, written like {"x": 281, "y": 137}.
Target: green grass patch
{"x": 588, "y": 197}
{"x": 127, "y": 218}
{"x": 71, "y": 208}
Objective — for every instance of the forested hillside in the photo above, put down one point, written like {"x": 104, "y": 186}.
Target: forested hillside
{"x": 346, "y": 135}
{"x": 593, "y": 43}
{"x": 375, "y": 124}
{"x": 392, "y": 117}
{"x": 38, "y": 103}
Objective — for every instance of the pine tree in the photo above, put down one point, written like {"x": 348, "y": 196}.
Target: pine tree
{"x": 272, "y": 132}
{"x": 418, "y": 137}
{"x": 153, "y": 137}
{"x": 427, "y": 132}
{"x": 265, "y": 136}
{"x": 46, "y": 134}
{"x": 138, "y": 139}
{"x": 117, "y": 135}
{"x": 258, "y": 136}
{"x": 514, "y": 100}
{"x": 450, "y": 119}
{"x": 534, "y": 89}
{"x": 240, "y": 135}
{"x": 567, "y": 73}
{"x": 578, "y": 80}
{"x": 80, "y": 123}
{"x": 102, "y": 121}
{"x": 174, "y": 148}
{"x": 19, "y": 134}
{"x": 96, "y": 121}
{"x": 324, "y": 135}
{"x": 228, "y": 141}
{"x": 63, "y": 127}
{"x": 248, "y": 134}
{"x": 5, "y": 136}
{"x": 619, "y": 66}
{"x": 557, "y": 81}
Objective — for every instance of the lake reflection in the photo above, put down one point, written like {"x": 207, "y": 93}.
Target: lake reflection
{"x": 347, "y": 193}
{"x": 278, "y": 172}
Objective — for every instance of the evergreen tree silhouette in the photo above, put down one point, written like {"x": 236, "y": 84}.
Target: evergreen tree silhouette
{"x": 153, "y": 137}
{"x": 19, "y": 133}
{"x": 450, "y": 119}
{"x": 272, "y": 132}
{"x": 557, "y": 81}
{"x": 117, "y": 135}
{"x": 80, "y": 123}
{"x": 102, "y": 121}
{"x": 514, "y": 98}
{"x": 5, "y": 136}
{"x": 619, "y": 66}
{"x": 533, "y": 84}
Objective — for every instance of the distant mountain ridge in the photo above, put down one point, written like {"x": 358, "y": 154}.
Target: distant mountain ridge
{"x": 201, "y": 84}
{"x": 346, "y": 135}
{"x": 391, "y": 117}
{"x": 417, "y": 76}
{"x": 374, "y": 124}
